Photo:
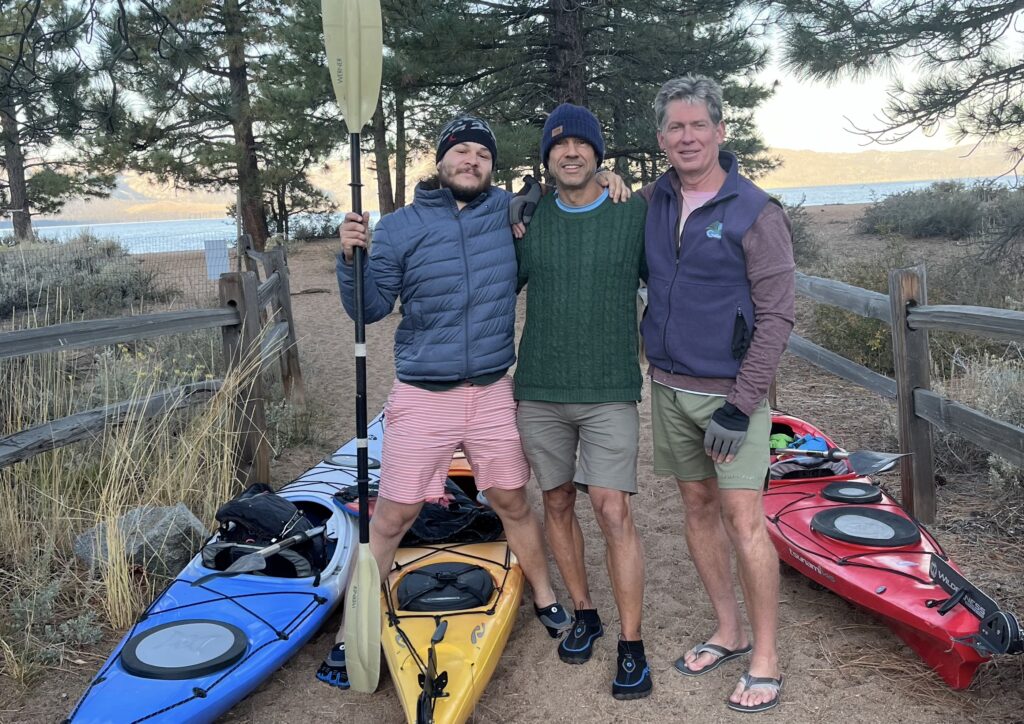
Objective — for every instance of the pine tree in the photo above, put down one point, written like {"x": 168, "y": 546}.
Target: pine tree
{"x": 49, "y": 109}
{"x": 968, "y": 52}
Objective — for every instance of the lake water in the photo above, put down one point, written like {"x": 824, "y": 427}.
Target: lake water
{"x": 196, "y": 234}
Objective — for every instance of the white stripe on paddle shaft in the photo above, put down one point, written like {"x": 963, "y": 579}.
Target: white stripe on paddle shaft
{"x": 362, "y": 442}
{"x": 360, "y": 350}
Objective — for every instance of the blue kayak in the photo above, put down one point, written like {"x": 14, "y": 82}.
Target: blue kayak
{"x": 199, "y": 650}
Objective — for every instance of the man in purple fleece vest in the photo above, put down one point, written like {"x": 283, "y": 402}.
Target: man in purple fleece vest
{"x": 720, "y": 310}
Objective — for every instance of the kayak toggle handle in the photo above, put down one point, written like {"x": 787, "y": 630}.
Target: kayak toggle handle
{"x": 948, "y": 604}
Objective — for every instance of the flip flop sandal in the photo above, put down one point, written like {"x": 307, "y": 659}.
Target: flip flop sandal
{"x": 754, "y": 682}
{"x": 721, "y": 652}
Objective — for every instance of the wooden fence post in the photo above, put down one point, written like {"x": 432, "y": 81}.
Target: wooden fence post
{"x": 245, "y": 262}
{"x": 242, "y": 344}
{"x": 908, "y": 287}
{"x": 291, "y": 373}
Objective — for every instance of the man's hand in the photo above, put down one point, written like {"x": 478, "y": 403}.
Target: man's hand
{"x": 524, "y": 203}
{"x": 618, "y": 191}
{"x": 726, "y": 433}
{"x": 353, "y": 233}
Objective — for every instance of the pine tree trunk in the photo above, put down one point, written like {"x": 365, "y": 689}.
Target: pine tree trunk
{"x": 385, "y": 196}
{"x": 282, "y": 210}
{"x": 401, "y": 150}
{"x": 568, "y": 63}
{"x": 254, "y": 221}
{"x": 14, "y": 162}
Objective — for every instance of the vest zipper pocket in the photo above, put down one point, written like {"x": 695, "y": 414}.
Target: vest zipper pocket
{"x": 740, "y": 335}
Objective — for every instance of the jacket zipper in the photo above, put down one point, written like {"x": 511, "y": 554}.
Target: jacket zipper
{"x": 465, "y": 308}
{"x": 671, "y": 289}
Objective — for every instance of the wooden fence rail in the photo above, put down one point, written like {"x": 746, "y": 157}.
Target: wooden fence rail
{"x": 906, "y": 310}
{"x": 247, "y": 309}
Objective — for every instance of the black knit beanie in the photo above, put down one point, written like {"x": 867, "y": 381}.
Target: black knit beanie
{"x": 463, "y": 129}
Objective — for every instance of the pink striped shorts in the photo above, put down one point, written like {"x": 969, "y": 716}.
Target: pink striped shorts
{"x": 423, "y": 429}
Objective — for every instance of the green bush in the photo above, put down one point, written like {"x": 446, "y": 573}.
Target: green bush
{"x": 806, "y": 244}
{"x": 87, "y": 277}
{"x": 967, "y": 280}
{"x": 946, "y": 209}
{"x": 314, "y": 226}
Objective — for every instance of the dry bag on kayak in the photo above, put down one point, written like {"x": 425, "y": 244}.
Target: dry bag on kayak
{"x": 462, "y": 521}
{"x": 449, "y": 586}
{"x": 257, "y": 518}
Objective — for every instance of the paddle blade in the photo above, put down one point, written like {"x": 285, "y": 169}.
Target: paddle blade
{"x": 362, "y": 623}
{"x": 354, "y": 40}
{"x": 868, "y": 463}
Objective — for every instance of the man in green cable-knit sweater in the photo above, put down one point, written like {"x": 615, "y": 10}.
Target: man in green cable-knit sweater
{"x": 578, "y": 380}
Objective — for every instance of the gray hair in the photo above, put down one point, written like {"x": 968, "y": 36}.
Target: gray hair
{"x": 689, "y": 89}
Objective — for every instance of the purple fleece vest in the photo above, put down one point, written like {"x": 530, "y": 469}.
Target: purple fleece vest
{"x": 700, "y": 317}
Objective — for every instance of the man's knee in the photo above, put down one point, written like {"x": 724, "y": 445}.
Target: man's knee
{"x": 560, "y": 502}
{"x": 611, "y": 508}
{"x": 700, "y": 498}
{"x": 511, "y": 505}
{"x": 743, "y": 515}
{"x": 392, "y": 519}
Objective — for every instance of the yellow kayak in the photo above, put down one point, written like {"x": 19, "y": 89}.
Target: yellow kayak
{"x": 451, "y": 609}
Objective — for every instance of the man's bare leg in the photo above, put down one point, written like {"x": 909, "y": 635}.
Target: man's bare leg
{"x": 566, "y": 540}
{"x": 389, "y": 523}
{"x": 710, "y": 550}
{"x": 624, "y": 555}
{"x": 758, "y": 565}
{"x": 525, "y": 538}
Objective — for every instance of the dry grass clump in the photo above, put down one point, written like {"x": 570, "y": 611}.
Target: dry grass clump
{"x": 51, "y": 605}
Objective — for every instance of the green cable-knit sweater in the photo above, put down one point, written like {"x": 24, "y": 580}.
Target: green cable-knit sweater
{"x": 581, "y": 272}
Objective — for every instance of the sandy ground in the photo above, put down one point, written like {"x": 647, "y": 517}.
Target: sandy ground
{"x": 839, "y": 663}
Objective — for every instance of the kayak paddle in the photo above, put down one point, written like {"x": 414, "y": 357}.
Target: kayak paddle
{"x": 862, "y": 462}
{"x": 354, "y": 40}
{"x": 257, "y": 560}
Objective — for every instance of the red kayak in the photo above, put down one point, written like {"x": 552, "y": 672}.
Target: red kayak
{"x": 841, "y": 530}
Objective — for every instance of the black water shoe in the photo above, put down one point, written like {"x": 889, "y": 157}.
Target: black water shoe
{"x": 333, "y": 671}
{"x": 633, "y": 675}
{"x": 578, "y": 645}
{"x": 554, "y": 618}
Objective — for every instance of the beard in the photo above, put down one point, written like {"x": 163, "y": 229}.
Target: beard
{"x": 460, "y": 190}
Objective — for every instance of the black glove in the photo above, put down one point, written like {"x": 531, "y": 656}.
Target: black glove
{"x": 524, "y": 203}
{"x": 726, "y": 432}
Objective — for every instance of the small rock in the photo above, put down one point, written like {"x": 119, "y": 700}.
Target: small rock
{"x": 161, "y": 539}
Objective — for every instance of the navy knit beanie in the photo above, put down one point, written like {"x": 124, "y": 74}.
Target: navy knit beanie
{"x": 465, "y": 129}
{"x": 569, "y": 120}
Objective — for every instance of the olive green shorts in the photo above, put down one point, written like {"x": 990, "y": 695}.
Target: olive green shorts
{"x": 680, "y": 419}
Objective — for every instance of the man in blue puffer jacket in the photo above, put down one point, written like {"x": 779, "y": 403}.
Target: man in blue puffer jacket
{"x": 449, "y": 258}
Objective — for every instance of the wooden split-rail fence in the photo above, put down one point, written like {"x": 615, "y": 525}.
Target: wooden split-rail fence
{"x": 919, "y": 409}
{"x": 255, "y": 319}
{"x": 247, "y": 304}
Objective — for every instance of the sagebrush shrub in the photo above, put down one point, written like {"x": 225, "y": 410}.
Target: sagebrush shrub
{"x": 93, "y": 278}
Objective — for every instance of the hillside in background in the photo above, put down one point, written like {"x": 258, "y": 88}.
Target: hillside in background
{"x": 140, "y": 199}
{"x": 813, "y": 168}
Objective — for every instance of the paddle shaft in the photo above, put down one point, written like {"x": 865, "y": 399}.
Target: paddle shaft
{"x": 242, "y": 565}
{"x": 362, "y": 454}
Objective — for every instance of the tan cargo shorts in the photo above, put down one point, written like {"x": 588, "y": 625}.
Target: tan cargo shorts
{"x": 680, "y": 419}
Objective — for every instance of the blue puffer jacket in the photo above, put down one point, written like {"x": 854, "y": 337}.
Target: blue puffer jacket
{"x": 455, "y": 273}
